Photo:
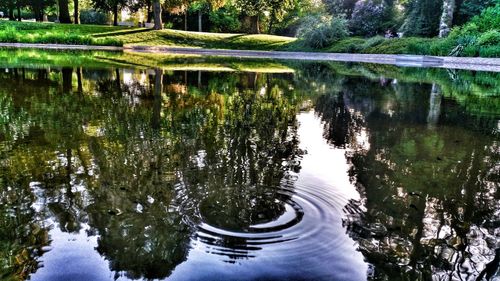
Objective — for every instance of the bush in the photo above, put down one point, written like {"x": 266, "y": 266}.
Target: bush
{"x": 490, "y": 52}
{"x": 491, "y": 37}
{"x": 24, "y": 26}
{"x": 369, "y": 18}
{"x": 488, "y": 20}
{"x": 225, "y": 20}
{"x": 397, "y": 46}
{"x": 90, "y": 16}
{"x": 70, "y": 39}
{"x": 374, "y": 41}
{"x": 107, "y": 42}
{"x": 9, "y": 35}
{"x": 348, "y": 45}
{"x": 420, "y": 47}
{"x": 320, "y": 31}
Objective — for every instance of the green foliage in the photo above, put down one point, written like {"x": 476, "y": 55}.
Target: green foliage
{"x": 488, "y": 20}
{"x": 396, "y": 46}
{"x": 9, "y": 35}
{"x": 422, "y": 18}
{"x": 374, "y": 41}
{"x": 490, "y": 52}
{"x": 339, "y": 7}
{"x": 471, "y": 8}
{"x": 348, "y": 45}
{"x": 89, "y": 16}
{"x": 319, "y": 31}
{"x": 370, "y": 17}
{"x": 491, "y": 37}
{"x": 225, "y": 20}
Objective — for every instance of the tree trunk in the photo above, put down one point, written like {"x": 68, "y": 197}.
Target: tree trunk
{"x": 67, "y": 79}
{"x": 255, "y": 24}
{"x": 11, "y": 14}
{"x": 75, "y": 12}
{"x": 434, "y": 106}
{"x": 156, "y": 117}
{"x": 115, "y": 15}
{"x": 118, "y": 81}
{"x": 79, "y": 79}
{"x": 200, "y": 20}
{"x": 149, "y": 17}
{"x": 271, "y": 24}
{"x": 446, "y": 18}
{"x": 64, "y": 12}
{"x": 18, "y": 12}
{"x": 186, "y": 20}
{"x": 272, "y": 16}
{"x": 157, "y": 15}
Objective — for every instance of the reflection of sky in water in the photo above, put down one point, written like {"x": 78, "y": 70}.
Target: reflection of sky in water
{"x": 318, "y": 247}
{"x": 425, "y": 162}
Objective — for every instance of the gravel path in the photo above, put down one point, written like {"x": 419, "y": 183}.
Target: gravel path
{"x": 478, "y": 64}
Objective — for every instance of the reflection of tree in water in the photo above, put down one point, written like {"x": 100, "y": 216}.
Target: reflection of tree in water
{"x": 114, "y": 154}
{"x": 431, "y": 192}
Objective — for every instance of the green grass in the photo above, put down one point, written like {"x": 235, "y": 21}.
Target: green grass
{"x": 201, "y": 40}
{"x": 15, "y": 32}
{"x": 49, "y": 33}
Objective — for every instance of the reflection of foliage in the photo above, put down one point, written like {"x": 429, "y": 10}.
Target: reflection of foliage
{"x": 21, "y": 235}
{"x": 142, "y": 157}
{"x": 112, "y": 153}
{"x": 430, "y": 192}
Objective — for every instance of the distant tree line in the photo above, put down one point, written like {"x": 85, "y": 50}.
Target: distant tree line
{"x": 284, "y": 17}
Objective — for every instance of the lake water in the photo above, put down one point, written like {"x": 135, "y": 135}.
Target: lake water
{"x": 115, "y": 167}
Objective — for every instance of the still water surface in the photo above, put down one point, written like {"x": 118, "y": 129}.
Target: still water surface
{"x": 301, "y": 172}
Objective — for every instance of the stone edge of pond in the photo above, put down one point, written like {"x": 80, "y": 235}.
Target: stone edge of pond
{"x": 478, "y": 64}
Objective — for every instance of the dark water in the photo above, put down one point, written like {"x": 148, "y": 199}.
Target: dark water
{"x": 299, "y": 172}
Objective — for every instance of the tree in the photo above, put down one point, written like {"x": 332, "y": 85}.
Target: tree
{"x": 110, "y": 5}
{"x": 75, "y": 11}
{"x": 253, "y": 9}
{"x": 201, "y": 6}
{"x": 256, "y": 8}
{"x": 64, "y": 11}
{"x": 39, "y": 6}
{"x": 422, "y": 17}
{"x": 370, "y": 17}
{"x": 277, "y": 11}
{"x": 340, "y": 7}
{"x": 446, "y": 18}
{"x": 470, "y": 8}
{"x": 157, "y": 15}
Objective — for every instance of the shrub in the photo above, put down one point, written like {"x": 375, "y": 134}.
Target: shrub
{"x": 107, "y": 42}
{"x": 24, "y": 26}
{"x": 369, "y": 18}
{"x": 491, "y": 37}
{"x": 374, "y": 41}
{"x": 58, "y": 38}
{"x": 321, "y": 31}
{"x": 90, "y": 16}
{"x": 488, "y": 20}
{"x": 348, "y": 45}
{"x": 490, "y": 52}
{"x": 420, "y": 47}
{"x": 396, "y": 46}
{"x": 225, "y": 19}
{"x": 9, "y": 35}
{"x": 442, "y": 47}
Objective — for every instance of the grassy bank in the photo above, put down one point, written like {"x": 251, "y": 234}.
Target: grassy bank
{"x": 49, "y": 33}
{"x": 474, "y": 40}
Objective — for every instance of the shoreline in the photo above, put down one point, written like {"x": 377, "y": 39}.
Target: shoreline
{"x": 465, "y": 63}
